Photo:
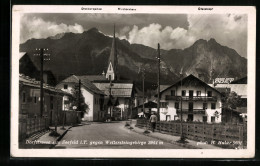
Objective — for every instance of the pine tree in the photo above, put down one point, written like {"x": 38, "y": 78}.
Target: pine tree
{"x": 79, "y": 100}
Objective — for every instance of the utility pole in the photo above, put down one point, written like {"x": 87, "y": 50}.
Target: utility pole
{"x": 110, "y": 97}
{"x": 158, "y": 97}
{"x": 182, "y": 138}
{"x": 41, "y": 86}
{"x": 143, "y": 75}
{"x": 41, "y": 75}
{"x": 79, "y": 99}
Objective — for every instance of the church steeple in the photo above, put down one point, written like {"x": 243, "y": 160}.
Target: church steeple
{"x": 112, "y": 61}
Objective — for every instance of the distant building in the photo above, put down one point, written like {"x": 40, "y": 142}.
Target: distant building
{"x": 197, "y": 100}
{"x": 149, "y": 107}
{"x": 93, "y": 97}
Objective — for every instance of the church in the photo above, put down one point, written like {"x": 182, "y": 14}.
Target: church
{"x": 119, "y": 94}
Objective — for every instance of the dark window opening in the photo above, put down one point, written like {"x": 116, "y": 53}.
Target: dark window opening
{"x": 204, "y": 118}
{"x": 213, "y": 105}
{"x": 35, "y": 99}
{"x": 191, "y": 94}
{"x": 209, "y": 93}
{"x": 205, "y": 106}
{"x": 190, "y": 106}
{"x": 177, "y": 105}
{"x": 23, "y": 97}
{"x": 183, "y": 93}
{"x": 65, "y": 86}
{"x": 190, "y": 118}
{"x": 172, "y": 92}
{"x": 213, "y": 119}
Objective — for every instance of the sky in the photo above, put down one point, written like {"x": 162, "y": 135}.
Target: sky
{"x": 172, "y": 31}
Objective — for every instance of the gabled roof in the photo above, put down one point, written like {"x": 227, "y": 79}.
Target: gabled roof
{"x": 21, "y": 54}
{"x": 93, "y": 78}
{"x": 117, "y": 89}
{"x": 185, "y": 79}
{"x": 26, "y": 80}
{"x": 85, "y": 82}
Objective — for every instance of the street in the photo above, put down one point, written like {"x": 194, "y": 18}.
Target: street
{"x": 111, "y": 135}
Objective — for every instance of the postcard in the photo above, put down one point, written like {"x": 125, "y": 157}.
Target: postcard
{"x": 133, "y": 81}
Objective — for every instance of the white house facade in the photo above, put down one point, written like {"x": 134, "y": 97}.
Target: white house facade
{"x": 93, "y": 97}
{"x": 197, "y": 101}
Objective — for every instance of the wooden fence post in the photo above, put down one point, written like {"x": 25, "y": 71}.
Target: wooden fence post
{"x": 194, "y": 133}
{"x": 203, "y": 130}
{"x": 212, "y": 134}
{"x": 241, "y": 134}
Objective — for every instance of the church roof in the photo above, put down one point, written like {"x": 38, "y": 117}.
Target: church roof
{"x": 113, "y": 53}
{"x": 117, "y": 89}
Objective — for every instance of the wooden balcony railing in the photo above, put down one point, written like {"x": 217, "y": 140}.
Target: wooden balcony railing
{"x": 193, "y": 111}
{"x": 191, "y": 98}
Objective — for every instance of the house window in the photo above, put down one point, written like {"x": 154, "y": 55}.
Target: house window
{"x": 198, "y": 93}
{"x": 23, "y": 97}
{"x": 35, "y": 99}
{"x": 109, "y": 77}
{"x": 205, "y": 106}
{"x": 213, "y": 119}
{"x": 65, "y": 86}
{"x": 51, "y": 102}
{"x": 183, "y": 93}
{"x": 163, "y": 104}
{"x": 177, "y": 105}
{"x": 204, "y": 118}
{"x": 172, "y": 92}
{"x": 213, "y": 106}
{"x": 209, "y": 93}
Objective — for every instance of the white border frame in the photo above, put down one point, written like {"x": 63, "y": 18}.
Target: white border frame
{"x": 134, "y": 153}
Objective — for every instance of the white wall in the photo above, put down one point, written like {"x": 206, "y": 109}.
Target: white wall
{"x": 87, "y": 96}
{"x": 89, "y": 100}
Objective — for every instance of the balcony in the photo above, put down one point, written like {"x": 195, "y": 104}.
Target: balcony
{"x": 191, "y": 98}
{"x": 194, "y": 111}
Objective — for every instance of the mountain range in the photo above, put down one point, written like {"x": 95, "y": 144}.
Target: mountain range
{"x": 88, "y": 53}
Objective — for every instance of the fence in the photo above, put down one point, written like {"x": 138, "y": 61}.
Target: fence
{"x": 28, "y": 126}
{"x": 71, "y": 117}
{"x": 223, "y": 134}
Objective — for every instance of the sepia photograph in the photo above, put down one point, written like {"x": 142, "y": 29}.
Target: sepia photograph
{"x": 133, "y": 81}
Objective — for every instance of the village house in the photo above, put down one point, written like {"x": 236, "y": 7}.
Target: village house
{"x": 239, "y": 86}
{"x": 149, "y": 107}
{"x": 29, "y": 99}
{"x": 198, "y": 101}
{"x": 28, "y": 67}
{"x": 56, "y": 105}
{"x": 93, "y": 97}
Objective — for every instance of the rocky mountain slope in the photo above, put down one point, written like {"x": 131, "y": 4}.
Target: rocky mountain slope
{"x": 88, "y": 53}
